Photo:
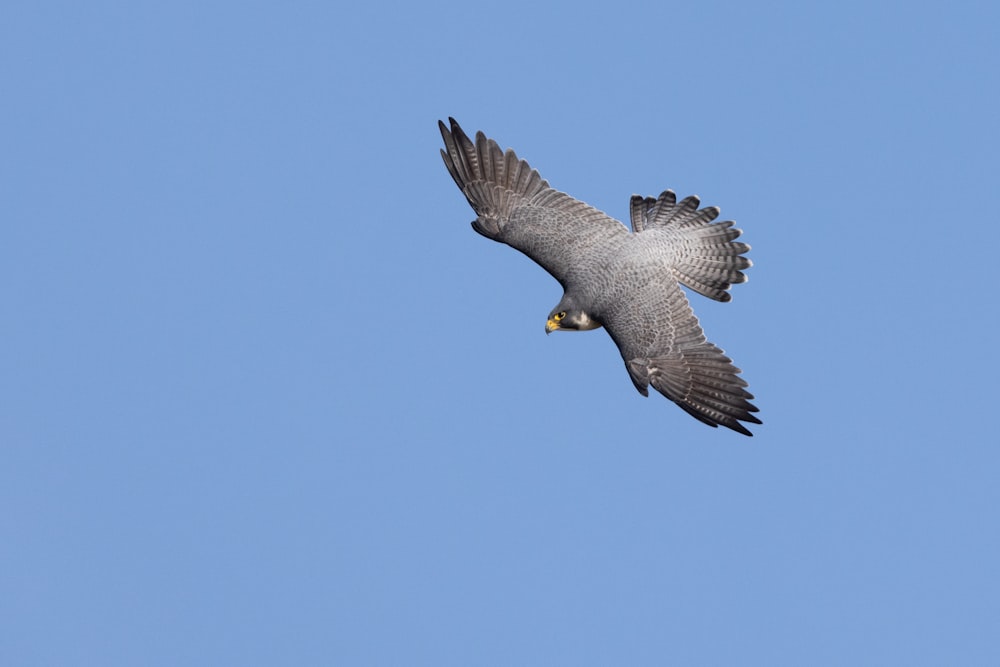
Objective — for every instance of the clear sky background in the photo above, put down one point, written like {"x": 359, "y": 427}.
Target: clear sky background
{"x": 267, "y": 399}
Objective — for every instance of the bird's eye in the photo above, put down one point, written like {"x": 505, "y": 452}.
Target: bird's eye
{"x": 559, "y": 316}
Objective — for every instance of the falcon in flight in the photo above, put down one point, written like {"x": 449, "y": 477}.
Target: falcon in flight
{"x": 627, "y": 282}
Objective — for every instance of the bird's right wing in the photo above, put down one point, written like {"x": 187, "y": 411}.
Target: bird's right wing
{"x": 516, "y": 206}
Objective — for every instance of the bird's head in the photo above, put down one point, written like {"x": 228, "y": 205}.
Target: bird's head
{"x": 568, "y": 317}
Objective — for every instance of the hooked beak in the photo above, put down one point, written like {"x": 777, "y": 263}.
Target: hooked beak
{"x": 551, "y": 326}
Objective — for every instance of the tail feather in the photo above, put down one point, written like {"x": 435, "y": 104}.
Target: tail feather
{"x": 710, "y": 259}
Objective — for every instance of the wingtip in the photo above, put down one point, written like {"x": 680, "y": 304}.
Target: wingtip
{"x": 452, "y": 128}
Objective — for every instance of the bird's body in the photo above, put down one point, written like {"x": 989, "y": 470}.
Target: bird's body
{"x": 627, "y": 282}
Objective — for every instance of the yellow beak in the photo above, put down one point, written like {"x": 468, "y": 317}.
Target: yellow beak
{"x": 551, "y": 326}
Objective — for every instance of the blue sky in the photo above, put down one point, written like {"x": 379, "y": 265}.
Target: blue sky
{"x": 266, "y": 398}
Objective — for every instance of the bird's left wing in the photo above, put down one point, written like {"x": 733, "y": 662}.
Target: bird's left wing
{"x": 663, "y": 345}
{"x": 517, "y": 206}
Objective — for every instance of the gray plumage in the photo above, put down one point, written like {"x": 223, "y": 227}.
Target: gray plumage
{"x": 629, "y": 283}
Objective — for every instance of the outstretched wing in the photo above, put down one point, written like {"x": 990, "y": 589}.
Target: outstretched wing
{"x": 516, "y": 206}
{"x": 663, "y": 345}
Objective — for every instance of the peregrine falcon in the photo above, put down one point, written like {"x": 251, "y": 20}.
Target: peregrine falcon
{"x": 627, "y": 282}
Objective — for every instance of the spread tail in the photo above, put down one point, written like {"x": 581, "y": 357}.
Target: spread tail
{"x": 709, "y": 259}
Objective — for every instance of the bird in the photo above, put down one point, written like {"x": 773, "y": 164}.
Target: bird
{"x": 628, "y": 282}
